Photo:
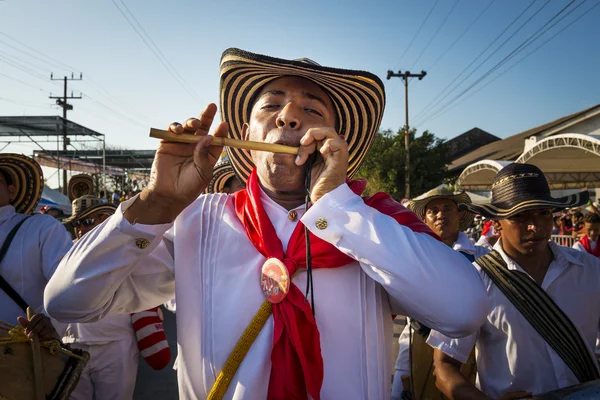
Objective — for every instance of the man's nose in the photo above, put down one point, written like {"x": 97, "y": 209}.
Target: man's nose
{"x": 288, "y": 117}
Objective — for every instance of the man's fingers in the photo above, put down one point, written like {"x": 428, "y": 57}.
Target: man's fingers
{"x": 317, "y": 134}
{"x": 206, "y": 117}
{"x": 23, "y": 321}
{"x": 304, "y": 152}
{"x": 175, "y": 127}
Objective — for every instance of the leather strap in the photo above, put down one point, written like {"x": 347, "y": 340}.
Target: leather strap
{"x": 3, "y": 284}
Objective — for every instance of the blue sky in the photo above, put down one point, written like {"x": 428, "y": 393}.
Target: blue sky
{"x": 127, "y": 89}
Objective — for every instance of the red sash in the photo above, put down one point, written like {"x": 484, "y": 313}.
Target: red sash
{"x": 585, "y": 242}
{"x": 297, "y": 364}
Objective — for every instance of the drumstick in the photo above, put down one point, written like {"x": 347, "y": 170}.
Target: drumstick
{"x": 221, "y": 141}
{"x": 38, "y": 377}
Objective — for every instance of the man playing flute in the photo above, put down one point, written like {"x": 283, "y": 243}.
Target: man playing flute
{"x": 238, "y": 264}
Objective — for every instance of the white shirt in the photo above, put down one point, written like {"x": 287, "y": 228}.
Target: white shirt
{"x": 31, "y": 259}
{"x": 112, "y": 328}
{"x": 579, "y": 246}
{"x": 464, "y": 245}
{"x": 510, "y": 354}
{"x": 207, "y": 260}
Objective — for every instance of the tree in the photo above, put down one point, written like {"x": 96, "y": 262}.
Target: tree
{"x": 384, "y": 165}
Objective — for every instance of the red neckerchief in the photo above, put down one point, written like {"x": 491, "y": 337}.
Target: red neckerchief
{"x": 585, "y": 242}
{"x": 297, "y": 364}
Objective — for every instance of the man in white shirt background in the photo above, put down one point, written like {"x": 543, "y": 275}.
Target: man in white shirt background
{"x": 232, "y": 260}
{"x": 543, "y": 339}
{"x": 36, "y": 248}
{"x": 438, "y": 208}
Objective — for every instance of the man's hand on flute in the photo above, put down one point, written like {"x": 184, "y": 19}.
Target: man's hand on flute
{"x": 329, "y": 170}
{"x": 180, "y": 172}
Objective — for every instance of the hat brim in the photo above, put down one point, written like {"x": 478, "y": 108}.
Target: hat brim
{"x": 419, "y": 206}
{"x": 105, "y": 208}
{"x": 358, "y": 97}
{"x": 494, "y": 211}
{"x": 28, "y": 178}
{"x": 222, "y": 172}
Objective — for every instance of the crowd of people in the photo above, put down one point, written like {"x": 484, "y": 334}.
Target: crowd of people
{"x": 285, "y": 279}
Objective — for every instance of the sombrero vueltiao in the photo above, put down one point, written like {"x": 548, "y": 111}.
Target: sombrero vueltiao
{"x": 28, "y": 178}
{"x": 419, "y": 204}
{"x": 358, "y": 97}
{"x": 222, "y": 172}
{"x": 85, "y": 206}
{"x": 521, "y": 187}
{"x": 80, "y": 185}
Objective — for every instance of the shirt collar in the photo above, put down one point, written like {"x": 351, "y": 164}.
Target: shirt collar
{"x": 273, "y": 209}
{"x": 6, "y": 213}
{"x": 463, "y": 244}
{"x": 562, "y": 257}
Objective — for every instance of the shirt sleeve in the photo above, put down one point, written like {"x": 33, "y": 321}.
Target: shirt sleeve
{"x": 579, "y": 246}
{"x": 117, "y": 268}
{"x": 423, "y": 277}
{"x": 54, "y": 241}
{"x": 459, "y": 349}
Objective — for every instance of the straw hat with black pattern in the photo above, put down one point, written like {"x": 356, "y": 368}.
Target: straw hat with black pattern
{"x": 419, "y": 205}
{"x": 521, "y": 187}
{"x": 27, "y": 177}
{"x": 358, "y": 97}
{"x": 86, "y": 206}
{"x": 222, "y": 172}
{"x": 80, "y": 185}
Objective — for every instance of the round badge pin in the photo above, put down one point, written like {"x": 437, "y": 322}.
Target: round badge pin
{"x": 274, "y": 280}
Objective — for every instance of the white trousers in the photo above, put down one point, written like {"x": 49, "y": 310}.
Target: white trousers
{"x": 111, "y": 372}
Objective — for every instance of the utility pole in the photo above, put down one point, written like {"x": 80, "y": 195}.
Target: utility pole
{"x": 62, "y": 102}
{"x": 405, "y": 77}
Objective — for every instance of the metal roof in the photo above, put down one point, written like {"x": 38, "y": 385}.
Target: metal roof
{"x": 45, "y": 125}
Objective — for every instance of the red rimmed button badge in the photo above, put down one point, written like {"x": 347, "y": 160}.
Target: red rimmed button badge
{"x": 275, "y": 280}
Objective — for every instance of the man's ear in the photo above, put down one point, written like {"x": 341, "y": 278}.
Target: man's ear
{"x": 497, "y": 225}
{"x": 12, "y": 192}
{"x": 245, "y": 132}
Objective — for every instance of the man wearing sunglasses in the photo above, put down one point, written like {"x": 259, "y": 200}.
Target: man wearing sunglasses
{"x": 112, "y": 369}
{"x": 112, "y": 342}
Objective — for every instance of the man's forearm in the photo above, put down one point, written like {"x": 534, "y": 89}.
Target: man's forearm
{"x": 453, "y": 384}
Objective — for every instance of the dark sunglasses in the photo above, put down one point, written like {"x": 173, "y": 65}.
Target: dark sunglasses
{"x": 87, "y": 222}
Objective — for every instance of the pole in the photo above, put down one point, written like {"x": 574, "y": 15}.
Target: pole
{"x": 61, "y": 101}
{"x": 405, "y": 76}
{"x": 406, "y": 144}
{"x": 65, "y": 135}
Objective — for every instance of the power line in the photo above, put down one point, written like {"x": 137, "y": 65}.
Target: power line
{"x": 516, "y": 51}
{"x": 22, "y": 82}
{"x": 416, "y": 34}
{"x": 155, "y": 49}
{"x": 596, "y": 4}
{"x": 461, "y": 35}
{"x": 435, "y": 34}
{"x": 60, "y": 64}
{"x": 443, "y": 94}
{"x": 24, "y": 104}
{"x": 55, "y": 62}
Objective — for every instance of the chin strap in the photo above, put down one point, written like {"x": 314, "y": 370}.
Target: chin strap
{"x": 309, "y": 276}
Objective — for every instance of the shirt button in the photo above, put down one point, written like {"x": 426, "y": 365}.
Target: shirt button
{"x": 142, "y": 243}
{"x": 321, "y": 223}
{"x": 293, "y": 215}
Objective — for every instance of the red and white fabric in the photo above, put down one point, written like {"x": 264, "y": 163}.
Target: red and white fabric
{"x": 151, "y": 337}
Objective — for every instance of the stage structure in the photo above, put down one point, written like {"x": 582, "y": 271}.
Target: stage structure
{"x": 44, "y": 131}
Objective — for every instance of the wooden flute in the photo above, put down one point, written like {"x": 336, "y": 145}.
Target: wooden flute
{"x": 221, "y": 141}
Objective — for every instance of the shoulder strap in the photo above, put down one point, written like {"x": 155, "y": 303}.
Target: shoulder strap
{"x": 3, "y": 284}
{"x": 555, "y": 327}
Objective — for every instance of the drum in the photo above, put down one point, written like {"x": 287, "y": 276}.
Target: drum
{"x": 61, "y": 367}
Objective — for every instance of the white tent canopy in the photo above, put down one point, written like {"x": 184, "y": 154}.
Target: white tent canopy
{"x": 479, "y": 175}
{"x": 569, "y": 160}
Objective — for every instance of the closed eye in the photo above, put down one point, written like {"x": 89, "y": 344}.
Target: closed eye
{"x": 269, "y": 106}
{"x": 313, "y": 111}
